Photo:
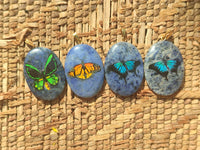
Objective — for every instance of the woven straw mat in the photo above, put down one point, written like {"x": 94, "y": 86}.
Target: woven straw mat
{"x": 107, "y": 121}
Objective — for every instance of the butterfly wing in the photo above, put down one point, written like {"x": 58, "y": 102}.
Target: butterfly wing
{"x": 118, "y": 68}
{"x": 52, "y": 79}
{"x": 39, "y": 84}
{"x": 50, "y": 66}
{"x": 77, "y": 72}
{"x": 132, "y": 65}
{"x": 173, "y": 65}
{"x": 49, "y": 69}
{"x": 90, "y": 69}
{"x": 160, "y": 68}
{"x": 35, "y": 74}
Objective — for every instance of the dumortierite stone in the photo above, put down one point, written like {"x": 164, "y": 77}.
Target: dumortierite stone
{"x": 84, "y": 71}
{"x": 124, "y": 69}
{"x": 164, "y": 68}
{"x": 44, "y": 73}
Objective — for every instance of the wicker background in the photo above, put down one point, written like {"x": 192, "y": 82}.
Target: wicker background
{"x": 142, "y": 121}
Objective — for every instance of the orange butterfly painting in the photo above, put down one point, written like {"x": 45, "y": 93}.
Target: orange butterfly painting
{"x": 84, "y": 71}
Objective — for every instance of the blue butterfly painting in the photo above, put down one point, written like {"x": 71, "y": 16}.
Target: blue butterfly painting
{"x": 122, "y": 68}
{"x": 163, "y": 67}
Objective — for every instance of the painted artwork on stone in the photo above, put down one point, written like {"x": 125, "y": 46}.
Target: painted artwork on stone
{"x": 124, "y": 69}
{"x": 44, "y": 73}
{"x": 84, "y": 71}
{"x": 164, "y": 68}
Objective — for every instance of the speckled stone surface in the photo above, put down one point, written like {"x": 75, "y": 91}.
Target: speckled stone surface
{"x": 169, "y": 82}
{"x": 129, "y": 81}
{"x": 88, "y": 81}
{"x": 37, "y": 57}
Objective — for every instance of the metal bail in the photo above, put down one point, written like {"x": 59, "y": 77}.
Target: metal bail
{"x": 29, "y": 43}
{"x": 124, "y": 34}
{"x": 166, "y": 36}
{"x": 76, "y": 38}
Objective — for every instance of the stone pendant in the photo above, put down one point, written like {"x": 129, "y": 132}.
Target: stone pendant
{"x": 44, "y": 73}
{"x": 164, "y": 68}
{"x": 84, "y": 71}
{"x": 124, "y": 69}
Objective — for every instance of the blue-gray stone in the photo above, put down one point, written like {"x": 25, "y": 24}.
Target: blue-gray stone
{"x": 46, "y": 79}
{"x": 164, "y": 68}
{"x": 124, "y": 69}
{"x": 84, "y": 71}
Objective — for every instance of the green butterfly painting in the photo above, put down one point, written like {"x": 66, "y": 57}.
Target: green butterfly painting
{"x": 46, "y": 77}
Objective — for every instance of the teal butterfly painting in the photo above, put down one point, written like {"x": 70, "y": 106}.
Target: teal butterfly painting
{"x": 45, "y": 78}
{"x": 122, "y": 68}
{"x": 163, "y": 67}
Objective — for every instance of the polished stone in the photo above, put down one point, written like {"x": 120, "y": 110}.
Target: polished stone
{"x": 124, "y": 69}
{"x": 84, "y": 71}
{"x": 44, "y": 73}
{"x": 164, "y": 68}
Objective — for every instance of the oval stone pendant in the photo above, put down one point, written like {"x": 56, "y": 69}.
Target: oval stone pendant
{"x": 84, "y": 71}
{"x": 44, "y": 73}
{"x": 164, "y": 68}
{"x": 124, "y": 69}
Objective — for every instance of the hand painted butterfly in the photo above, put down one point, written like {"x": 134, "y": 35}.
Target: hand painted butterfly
{"x": 45, "y": 77}
{"x": 162, "y": 67}
{"x": 122, "y": 68}
{"x": 84, "y": 71}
